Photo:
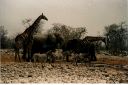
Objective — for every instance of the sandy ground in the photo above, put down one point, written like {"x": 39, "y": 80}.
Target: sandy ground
{"x": 107, "y": 69}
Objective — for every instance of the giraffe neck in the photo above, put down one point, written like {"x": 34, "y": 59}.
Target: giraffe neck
{"x": 36, "y": 22}
{"x": 33, "y": 27}
{"x": 28, "y": 33}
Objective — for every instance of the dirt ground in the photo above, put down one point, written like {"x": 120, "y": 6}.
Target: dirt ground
{"x": 107, "y": 69}
{"x": 8, "y": 57}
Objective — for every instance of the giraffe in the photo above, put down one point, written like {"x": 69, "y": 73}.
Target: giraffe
{"x": 23, "y": 40}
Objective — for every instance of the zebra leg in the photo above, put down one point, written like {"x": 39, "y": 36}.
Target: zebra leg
{"x": 76, "y": 59}
{"x": 95, "y": 59}
{"x": 15, "y": 55}
{"x": 24, "y": 57}
{"x": 91, "y": 56}
{"x": 32, "y": 59}
{"x": 53, "y": 58}
{"x": 48, "y": 58}
{"x": 25, "y": 54}
{"x": 67, "y": 58}
{"x": 18, "y": 56}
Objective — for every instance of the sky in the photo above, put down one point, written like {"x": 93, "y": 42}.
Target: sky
{"x": 92, "y": 14}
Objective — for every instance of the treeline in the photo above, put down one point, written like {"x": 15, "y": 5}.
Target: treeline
{"x": 117, "y": 36}
{"x": 67, "y": 32}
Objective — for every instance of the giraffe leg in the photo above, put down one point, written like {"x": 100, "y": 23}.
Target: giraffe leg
{"x": 16, "y": 54}
{"x": 30, "y": 50}
{"x": 53, "y": 58}
{"x": 26, "y": 54}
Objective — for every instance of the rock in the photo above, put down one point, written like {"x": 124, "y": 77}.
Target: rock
{"x": 29, "y": 75}
{"x": 125, "y": 67}
{"x": 106, "y": 75}
{"x": 26, "y": 72}
{"x": 123, "y": 81}
{"x": 92, "y": 69}
{"x": 21, "y": 75}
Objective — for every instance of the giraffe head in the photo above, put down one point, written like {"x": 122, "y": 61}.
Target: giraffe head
{"x": 44, "y": 17}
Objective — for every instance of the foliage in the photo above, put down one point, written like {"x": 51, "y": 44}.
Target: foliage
{"x": 117, "y": 35}
{"x": 3, "y": 37}
{"x": 68, "y": 32}
{"x": 5, "y": 41}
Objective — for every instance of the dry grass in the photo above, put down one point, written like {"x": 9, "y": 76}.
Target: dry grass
{"x": 112, "y": 59}
{"x": 9, "y": 58}
{"x": 6, "y": 58}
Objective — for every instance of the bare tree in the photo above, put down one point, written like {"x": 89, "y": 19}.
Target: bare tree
{"x": 26, "y": 22}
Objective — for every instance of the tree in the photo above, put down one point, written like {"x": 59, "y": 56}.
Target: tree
{"x": 117, "y": 38}
{"x": 5, "y": 42}
{"x": 68, "y": 32}
{"x": 3, "y": 37}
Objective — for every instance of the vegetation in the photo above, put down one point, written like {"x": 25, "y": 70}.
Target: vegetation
{"x": 68, "y": 32}
{"x": 118, "y": 38}
{"x": 6, "y": 42}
